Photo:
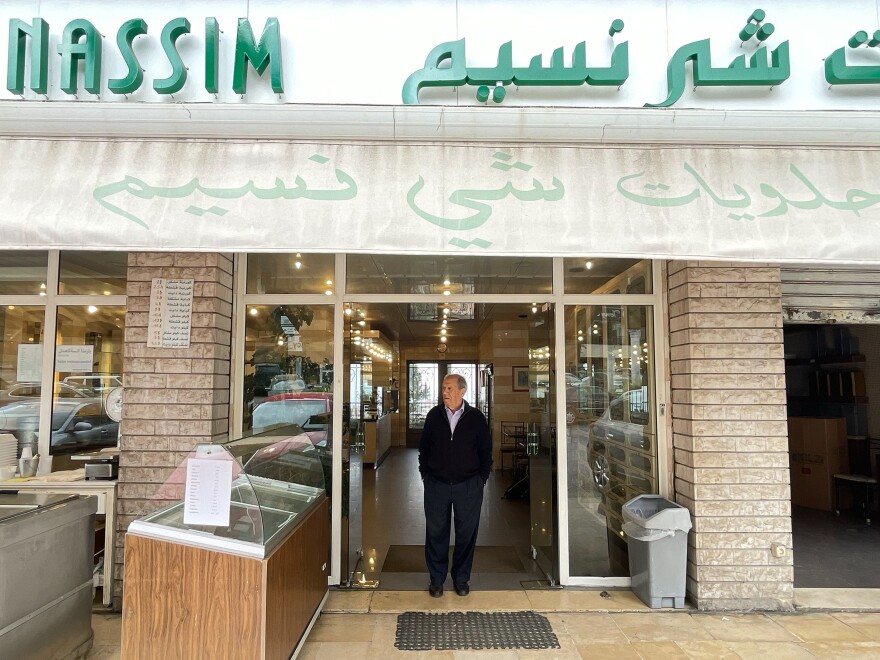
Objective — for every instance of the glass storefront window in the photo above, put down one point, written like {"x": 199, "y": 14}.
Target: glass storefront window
{"x": 612, "y": 438}
{"x": 288, "y": 370}
{"x": 88, "y": 364}
{"x": 23, "y": 273}
{"x": 597, "y": 275}
{"x": 290, "y": 273}
{"x": 20, "y": 371}
{"x": 436, "y": 274}
{"x": 93, "y": 273}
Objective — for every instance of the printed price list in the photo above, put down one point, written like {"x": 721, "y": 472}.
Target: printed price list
{"x": 170, "y": 313}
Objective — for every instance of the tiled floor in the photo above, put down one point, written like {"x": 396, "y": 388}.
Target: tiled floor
{"x": 834, "y": 552}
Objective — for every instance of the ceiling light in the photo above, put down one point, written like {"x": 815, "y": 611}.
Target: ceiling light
{"x": 43, "y": 285}
{"x": 534, "y": 309}
{"x": 446, "y": 293}
{"x": 281, "y": 342}
{"x": 253, "y": 311}
{"x": 589, "y": 265}
{"x": 362, "y": 323}
{"x": 106, "y": 293}
{"x": 446, "y": 282}
{"x": 11, "y": 307}
{"x": 328, "y": 292}
{"x": 92, "y": 309}
{"x": 297, "y": 264}
{"x": 329, "y": 282}
{"x": 442, "y": 331}
{"x": 348, "y": 311}
{"x": 580, "y": 338}
{"x": 444, "y": 323}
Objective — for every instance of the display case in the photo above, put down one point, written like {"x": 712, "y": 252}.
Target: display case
{"x": 276, "y": 481}
{"x": 235, "y": 563}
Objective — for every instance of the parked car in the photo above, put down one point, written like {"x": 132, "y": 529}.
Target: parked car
{"x": 29, "y": 391}
{"x": 97, "y": 382}
{"x": 76, "y": 424}
{"x": 290, "y": 408}
{"x": 622, "y": 454}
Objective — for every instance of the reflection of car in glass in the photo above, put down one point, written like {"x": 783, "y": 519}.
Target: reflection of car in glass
{"x": 76, "y": 424}
{"x": 28, "y": 391}
{"x": 96, "y": 382}
{"x": 286, "y": 383}
{"x": 622, "y": 453}
{"x": 293, "y": 408}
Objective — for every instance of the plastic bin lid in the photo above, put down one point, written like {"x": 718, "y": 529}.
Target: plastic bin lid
{"x": 656, "y": 512}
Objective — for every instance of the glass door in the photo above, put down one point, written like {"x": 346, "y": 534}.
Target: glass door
{"x": 541, "y": 443}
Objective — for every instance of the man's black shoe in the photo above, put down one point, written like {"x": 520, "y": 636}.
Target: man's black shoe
{"x": 436, "y": 590}
{"x": 462, "y": 588}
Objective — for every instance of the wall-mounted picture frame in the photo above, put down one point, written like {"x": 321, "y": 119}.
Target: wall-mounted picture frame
{"x": 520, "y": 379}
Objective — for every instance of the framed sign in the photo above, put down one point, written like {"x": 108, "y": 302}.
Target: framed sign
{"x": 520, "y": 379}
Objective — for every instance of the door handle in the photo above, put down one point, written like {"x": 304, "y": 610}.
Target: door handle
{"x": 532, "y": 443}
{"x": 359, "y": 446}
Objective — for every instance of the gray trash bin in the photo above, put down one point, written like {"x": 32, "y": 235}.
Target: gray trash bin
{"x": 656, "y": 531}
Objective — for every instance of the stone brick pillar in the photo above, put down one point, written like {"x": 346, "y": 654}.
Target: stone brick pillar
{"x": 174, "y": 398}
{"x": 730, "y": 437}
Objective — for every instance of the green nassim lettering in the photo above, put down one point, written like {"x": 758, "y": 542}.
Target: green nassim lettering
{"x": 80, "y": 41}
{"x": 124, "y": 39}
{"x": 266, "y": 53}
{"x": 170, "y": 33}
{"x": 19, "y": 31}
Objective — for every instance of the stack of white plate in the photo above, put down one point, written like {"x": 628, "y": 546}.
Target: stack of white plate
{"x": 8, "y": 449}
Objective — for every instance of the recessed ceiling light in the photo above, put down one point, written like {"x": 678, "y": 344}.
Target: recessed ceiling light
{"x": 253, "y": 311}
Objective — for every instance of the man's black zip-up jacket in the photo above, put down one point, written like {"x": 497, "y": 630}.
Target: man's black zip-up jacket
{"x": 454, "y": 457}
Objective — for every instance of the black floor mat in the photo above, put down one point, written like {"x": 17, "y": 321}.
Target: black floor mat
{"x": 423, "y": 631}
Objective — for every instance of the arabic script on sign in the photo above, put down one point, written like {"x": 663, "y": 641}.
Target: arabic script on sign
{"x": 657, "y": 195}
{"x": 445, "y": 67}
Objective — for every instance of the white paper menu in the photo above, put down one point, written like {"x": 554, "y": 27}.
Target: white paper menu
{"x": 170, "y": 313}
{"x": 208, "y": 493}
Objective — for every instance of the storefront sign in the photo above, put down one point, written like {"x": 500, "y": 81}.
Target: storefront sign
{"x": 750, "y": 203}
{"x": 626, "y": 55}
{"x": 82, "y": 43}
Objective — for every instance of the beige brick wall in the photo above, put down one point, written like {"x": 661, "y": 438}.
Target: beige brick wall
{"x": 729, "y": 432}
{"x": 174, "y": 398}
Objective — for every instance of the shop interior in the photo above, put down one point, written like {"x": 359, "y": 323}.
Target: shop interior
{"x": 396, "y": 350}
{"x": 398, "y": 356}
{"x": 832, "y": 375}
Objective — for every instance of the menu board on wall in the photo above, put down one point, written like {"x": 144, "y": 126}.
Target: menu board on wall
{"x": 170, "y": 313}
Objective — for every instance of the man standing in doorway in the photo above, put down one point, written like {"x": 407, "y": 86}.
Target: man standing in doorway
{"x": 455, "y": 458}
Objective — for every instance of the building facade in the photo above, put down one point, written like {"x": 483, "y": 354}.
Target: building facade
{"x": 229, "y": 149}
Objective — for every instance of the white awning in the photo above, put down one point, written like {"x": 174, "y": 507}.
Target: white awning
{"x": 798, "y": 204}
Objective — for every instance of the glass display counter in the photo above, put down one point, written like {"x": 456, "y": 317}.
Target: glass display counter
{"x": 276, "y": 480}
{"x": 239, "y": 552}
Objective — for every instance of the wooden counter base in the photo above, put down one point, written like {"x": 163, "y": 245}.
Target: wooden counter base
{"x": 185, "y": 602}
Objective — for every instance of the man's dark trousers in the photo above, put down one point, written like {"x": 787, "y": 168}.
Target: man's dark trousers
{"x": 465, "y": 499}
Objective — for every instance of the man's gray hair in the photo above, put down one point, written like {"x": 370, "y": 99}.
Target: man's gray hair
{"x": 462, "y": 383}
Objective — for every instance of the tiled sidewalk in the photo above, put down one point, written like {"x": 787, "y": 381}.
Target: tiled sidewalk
{"x": 362, "y": 624}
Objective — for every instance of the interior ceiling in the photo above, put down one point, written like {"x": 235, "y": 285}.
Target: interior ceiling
{"x": 393, "y": 321}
